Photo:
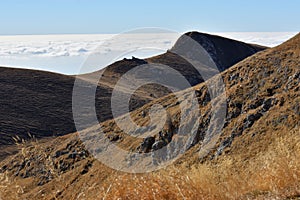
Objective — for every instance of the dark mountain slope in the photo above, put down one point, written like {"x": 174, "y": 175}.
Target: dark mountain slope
{"x": 35, "y": 102}
{"x": 225, "y": 52}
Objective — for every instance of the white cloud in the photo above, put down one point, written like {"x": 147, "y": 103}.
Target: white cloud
{"x": 269, "y": 39}
{"x": 66, "y": 53}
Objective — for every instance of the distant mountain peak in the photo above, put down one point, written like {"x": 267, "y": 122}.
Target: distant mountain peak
{"x": 225, "y": 52}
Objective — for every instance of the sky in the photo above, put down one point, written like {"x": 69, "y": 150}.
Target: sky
{"x": 19, "y": 17}
{"x": 59, "y": 35}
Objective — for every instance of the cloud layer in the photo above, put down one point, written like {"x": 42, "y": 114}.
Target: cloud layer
{"x": 66, "y": 53}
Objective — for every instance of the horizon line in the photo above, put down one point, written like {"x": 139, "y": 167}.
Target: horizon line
{"x": 209, "y": 32}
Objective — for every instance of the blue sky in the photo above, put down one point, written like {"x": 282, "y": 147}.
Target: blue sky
{"x": 91, "y": 16}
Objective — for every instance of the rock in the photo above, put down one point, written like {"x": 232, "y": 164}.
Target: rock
{"x": 296, "y": 109}
{"x": 256, "y": 104}
{"x": 143, "y": 114}
{"x": 134, "y": 58}
{"x": 147, "y": 144}
{"x": 281, "y": 101}
{"x": 166, "y": 135}
{"x": 3, "y": 168}
{"x": 251, "y": 119}
{"x": 198, "y": 93}
{"x": 225, "y": 143}
{"x": 238, "y": 105}
{"x": 236, "y": 110}
{"x": 233, "y": 114}
{"x": 270, "y": 92}
{"x": 233, "y": 77}
{"x": 158, "y": 156}
{"x": 254, "y": 117}
{"x": 296, "y": 75}
{"x": 86, "y": 168}
{"x": 199, "y": 136}
{"x": 158, "y": 145}
{"x": 292, "y": 81}
{"x": 63, "y": 166}
{"x": 72, "y": 155}
{"x": 206, "y": 99}
{"x": 235, "y": 104}
{"x": 267, "y": 104}
{"x": 237, "y": 132}
{"x": 60, "y": 153}
{"x": 114, "y": 138}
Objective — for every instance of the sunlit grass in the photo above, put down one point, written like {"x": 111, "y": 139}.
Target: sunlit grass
{"x": 274, "y": 173}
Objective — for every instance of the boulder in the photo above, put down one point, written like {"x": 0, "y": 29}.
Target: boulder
{"x": 147, "y": 144}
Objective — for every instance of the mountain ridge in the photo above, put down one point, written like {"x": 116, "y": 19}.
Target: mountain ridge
{"x": 33, "y": 103}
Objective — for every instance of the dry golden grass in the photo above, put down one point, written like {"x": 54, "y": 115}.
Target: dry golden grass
{"x": 271, "y": 174}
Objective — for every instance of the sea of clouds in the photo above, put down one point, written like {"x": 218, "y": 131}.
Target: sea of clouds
{"x": 67, "y": 53}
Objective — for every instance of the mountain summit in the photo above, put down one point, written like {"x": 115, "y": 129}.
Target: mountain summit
{"x": 224, "y": 52}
